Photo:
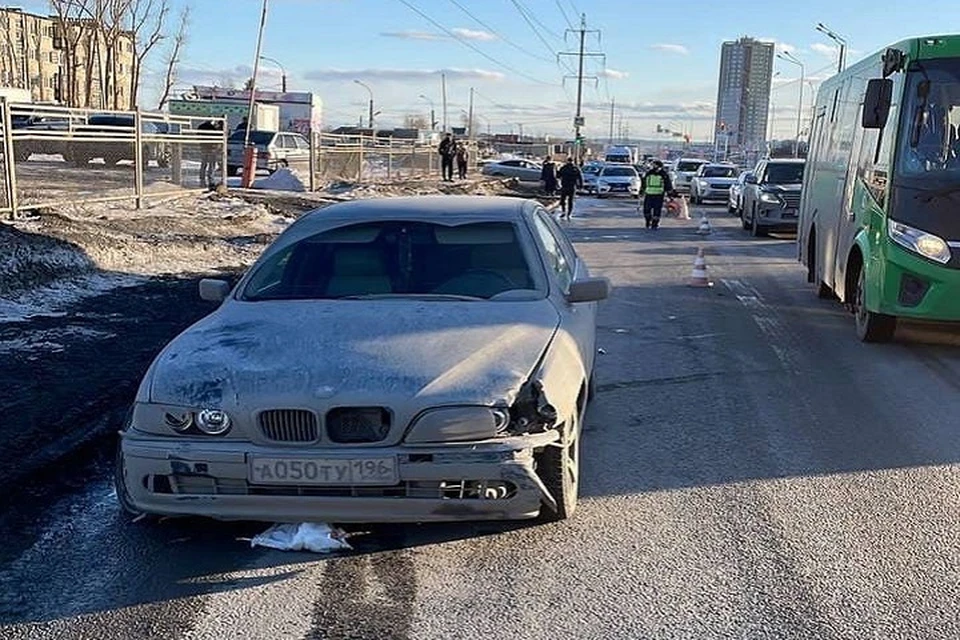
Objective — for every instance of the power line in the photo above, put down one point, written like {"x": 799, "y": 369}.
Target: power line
{"x": 533, "y": 28}
{"x": 500, "y": 35}
{"x": 472, "y": 46}
{"x": 537, "y": 20}
{"x": 564, "y": 14}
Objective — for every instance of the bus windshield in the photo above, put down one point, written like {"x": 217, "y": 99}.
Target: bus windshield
{"x": 929, "y": 145}
{"x": 926, "y": 184}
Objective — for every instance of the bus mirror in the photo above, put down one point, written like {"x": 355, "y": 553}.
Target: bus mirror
{"x": 876, "y": 103}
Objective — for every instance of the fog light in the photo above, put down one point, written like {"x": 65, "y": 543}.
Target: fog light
{"x": 912, "y": 290}
{"x": 213, "y": 422}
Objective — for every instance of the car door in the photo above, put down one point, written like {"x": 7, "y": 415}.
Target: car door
{"x": 564, "y": 266}
{"x": 300, "y": 154}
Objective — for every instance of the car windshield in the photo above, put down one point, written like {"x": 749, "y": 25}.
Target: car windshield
{"x": 261, "y": 138}
{"x": 619, "y": 172}
{"x": 688, "y": 166}
{"x": 791, "y": 173}
{"x": 719, "y": 172}
{"x": 396, "y": 258}
{"x": 930, "y": 133}
{"x": 591, "y": 168}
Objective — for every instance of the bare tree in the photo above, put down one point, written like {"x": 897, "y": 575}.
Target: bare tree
{"x": 173, "y": 58}
{"x": 66, "y": 14}
{"x": 146, "y": 21}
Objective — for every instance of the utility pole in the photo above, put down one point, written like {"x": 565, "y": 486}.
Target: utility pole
{"x": 470, "y": 135}
{"x": 443, "y": 97}
{"x": 578, "y": 121}
{"x": 612, "y": 105}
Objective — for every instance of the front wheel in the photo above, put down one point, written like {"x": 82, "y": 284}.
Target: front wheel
{"x": 871, "y": 327}
{"x": 755, "y": 229}
{"x": 558, "y": 465}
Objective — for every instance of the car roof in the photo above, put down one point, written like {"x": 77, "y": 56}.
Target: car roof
{"x": 429, "y": 208}
{"x": 786, "y": 160}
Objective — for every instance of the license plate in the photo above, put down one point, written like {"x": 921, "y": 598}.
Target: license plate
{"x": 790, "y": 213}
{"x": 325, "y": 471}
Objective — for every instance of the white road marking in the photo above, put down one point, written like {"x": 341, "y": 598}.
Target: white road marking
{"x": 783, "y": 344}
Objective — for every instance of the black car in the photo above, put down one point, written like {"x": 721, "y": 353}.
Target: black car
{"x": 91, "y": 141}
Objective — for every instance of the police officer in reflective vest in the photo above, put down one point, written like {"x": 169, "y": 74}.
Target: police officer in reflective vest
{"x": 653, "y": 186}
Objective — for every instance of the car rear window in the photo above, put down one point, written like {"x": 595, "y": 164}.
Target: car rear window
{"x": 688, "y": 166}
{"x": 719, "y": 172}
{"x": 396, "y": 258}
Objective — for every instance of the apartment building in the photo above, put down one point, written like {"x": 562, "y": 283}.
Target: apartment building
{"x": 743, "y": 94}
{"x": 35, "y": 54}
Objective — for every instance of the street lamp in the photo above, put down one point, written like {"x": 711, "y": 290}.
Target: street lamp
{"x": 370, "y": 91}
{"x": 789, "y": 57}
{"x": 283, "y": 72}
{"x": 433, "y": 118}
{"x": 841, "y": 62}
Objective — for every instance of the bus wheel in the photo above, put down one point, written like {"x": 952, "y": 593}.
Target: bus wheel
{"x": 871, "y": 327}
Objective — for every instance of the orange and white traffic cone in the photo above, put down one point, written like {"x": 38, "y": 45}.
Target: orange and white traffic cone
{"x": 699, "y": 278}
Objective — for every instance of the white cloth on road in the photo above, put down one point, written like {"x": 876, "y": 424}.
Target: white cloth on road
{"x": 318, "y": 537}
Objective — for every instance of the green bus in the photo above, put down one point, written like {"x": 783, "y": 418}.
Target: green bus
{"x": 879, "y": 222}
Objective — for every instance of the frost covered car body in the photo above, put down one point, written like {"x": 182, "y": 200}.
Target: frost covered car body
{"x": 408, "y": 359}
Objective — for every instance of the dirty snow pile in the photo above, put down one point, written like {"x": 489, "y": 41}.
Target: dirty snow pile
{"x": 283, "y": 179}
{"x": 420, "y": 186}
{"x": 50, "y": 260}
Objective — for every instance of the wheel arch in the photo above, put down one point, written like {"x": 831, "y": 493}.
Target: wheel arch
{"x": 851, "y": 273}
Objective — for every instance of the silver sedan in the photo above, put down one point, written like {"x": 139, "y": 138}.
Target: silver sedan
{"x": 410, "y": 359}
{"x": 523, "y": 170}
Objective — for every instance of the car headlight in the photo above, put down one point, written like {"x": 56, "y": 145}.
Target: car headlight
{"x": 457, "y": 424}
{"x": 921, "y": 242}
{"x": 770, "y": 198}
{"x": 160, "y": 419}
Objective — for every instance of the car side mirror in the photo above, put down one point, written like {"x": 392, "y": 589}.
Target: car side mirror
{"x": 751, "y": 179}
{"x": 589, "y": 290}
{"x": 214, "y": 290}
{"x": 876, "y": 103}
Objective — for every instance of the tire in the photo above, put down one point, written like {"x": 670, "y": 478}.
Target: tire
{"x": 600, "y": 196}
{"x": 743, "y": 221}
{"x": 755, "y": 229}
{"x": 232, "y": 169}
{"x": 824, "y": 292}
{"x": 871, "y": 327}
{"x": 559, "y": 468}
{"x": 592, "y": 386}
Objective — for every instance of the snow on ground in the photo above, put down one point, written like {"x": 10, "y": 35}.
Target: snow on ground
{"x": 52, "y": 260}
{"x": 283, "y": 179}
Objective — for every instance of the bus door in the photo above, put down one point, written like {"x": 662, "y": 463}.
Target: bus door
{"x": 852, "y": 137}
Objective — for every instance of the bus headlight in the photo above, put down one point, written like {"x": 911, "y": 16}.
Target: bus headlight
{"x": 921, "y": 242}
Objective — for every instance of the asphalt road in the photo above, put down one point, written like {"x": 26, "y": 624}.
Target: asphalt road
{"x": 750, "y": 471}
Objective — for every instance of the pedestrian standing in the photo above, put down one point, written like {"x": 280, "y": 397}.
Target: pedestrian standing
{"x": 548, "y": 175}
{"x": 447, "y": 151}
{"x": 463, "y": 159}
{"x": 571, "y": 179}
{"x": 653, "y": 186}
{"x": 209, "y": 156}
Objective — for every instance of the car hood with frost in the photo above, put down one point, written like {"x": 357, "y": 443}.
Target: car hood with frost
{"x": 407, "y": 355}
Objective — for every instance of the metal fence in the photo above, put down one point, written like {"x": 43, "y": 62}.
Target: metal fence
{"x": 368, "y": 158}
{"x": 51, "y": 156}
{"x": 55, "y": 155}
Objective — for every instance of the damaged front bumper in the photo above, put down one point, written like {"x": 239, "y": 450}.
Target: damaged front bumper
{"x": 486, "y": 480}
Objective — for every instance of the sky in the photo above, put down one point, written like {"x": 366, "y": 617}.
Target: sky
{"x": 659, "y": 63}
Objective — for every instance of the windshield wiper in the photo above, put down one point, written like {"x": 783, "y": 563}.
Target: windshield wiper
{"x": 407, "y": 296}
{"x": 939, "y": 193}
